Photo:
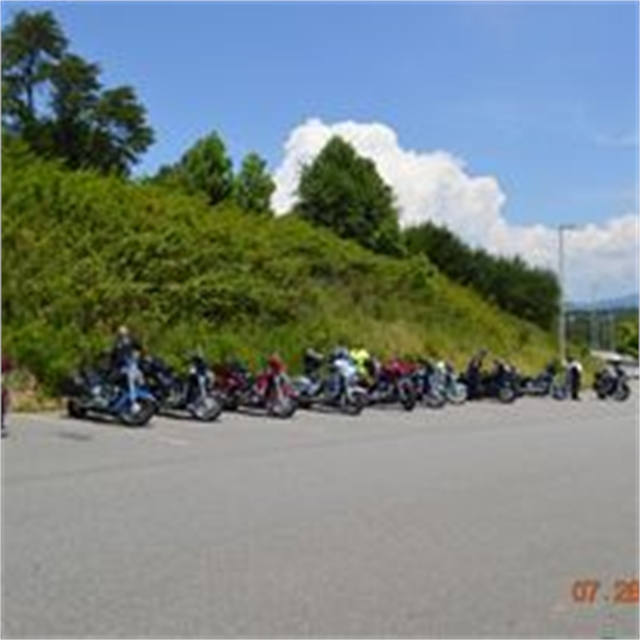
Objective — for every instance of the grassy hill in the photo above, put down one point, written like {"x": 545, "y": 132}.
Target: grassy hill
{"x": 82, "y": 254}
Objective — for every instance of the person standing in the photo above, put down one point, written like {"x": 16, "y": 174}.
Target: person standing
{"x": 575, "y": 378}
{"x": 124, "y": 347}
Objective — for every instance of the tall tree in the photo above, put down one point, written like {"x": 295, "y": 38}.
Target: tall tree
{"x": 205, "y": 168}
{"x": 344, "y": 192}
{"x": 54, "y": 101}
{"x": 75, "y": 91}
{"x": 120, "y": 132}
{"x": 253, "y": 186}
{"x": 528, "y": 292}
{"x": 30, "y": 44}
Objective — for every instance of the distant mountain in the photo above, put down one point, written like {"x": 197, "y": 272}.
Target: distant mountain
{"x": 629, "y": 301}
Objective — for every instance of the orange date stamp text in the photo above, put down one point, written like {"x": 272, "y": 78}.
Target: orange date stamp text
{"x": 590, "y": 591}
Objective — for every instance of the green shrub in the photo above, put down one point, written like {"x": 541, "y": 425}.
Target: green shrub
{"x": 82, "y": 254}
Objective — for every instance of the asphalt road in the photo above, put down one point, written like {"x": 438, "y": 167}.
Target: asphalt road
{"x": 472, "y": 521}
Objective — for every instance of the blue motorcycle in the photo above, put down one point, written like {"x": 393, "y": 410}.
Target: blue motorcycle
{"x": 124, "y": 397}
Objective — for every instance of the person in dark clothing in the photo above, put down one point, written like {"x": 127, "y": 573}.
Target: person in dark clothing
{"x": 472, "y": 376}
{"x": 125, "y": 347}
{"x": 574, "y": 373}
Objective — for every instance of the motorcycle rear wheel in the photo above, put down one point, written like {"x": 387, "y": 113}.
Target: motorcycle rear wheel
{"x": 74, "y": 409}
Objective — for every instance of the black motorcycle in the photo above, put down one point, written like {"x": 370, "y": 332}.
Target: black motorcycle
{"x": 500, "y": 383}
{"x": 538, "y": 386}
{"x": 612, "y": 384}
{"x": 192, "y": 393}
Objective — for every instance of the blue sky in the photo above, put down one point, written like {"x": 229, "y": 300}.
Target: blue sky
{"x": 543, "y": 97}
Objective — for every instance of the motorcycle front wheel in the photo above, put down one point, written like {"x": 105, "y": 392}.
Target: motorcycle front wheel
{"x": 138, "y": 413}
{"x": 281, "y": 407}
{"x": 206, "y": 408}
{"x": 354, "y": 404}
{"x": 506, "y": 394}
{"x": 622, "y": 392}
{"x": 407, "y": 396}
{"x": 457, "y": 393}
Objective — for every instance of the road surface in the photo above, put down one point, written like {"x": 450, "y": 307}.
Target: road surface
{"x": 468, "y": 521}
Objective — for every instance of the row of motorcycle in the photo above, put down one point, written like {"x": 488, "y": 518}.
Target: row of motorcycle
{"x": 146, "y": 385}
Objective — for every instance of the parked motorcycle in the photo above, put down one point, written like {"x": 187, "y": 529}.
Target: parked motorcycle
{"x": 271, "y": 390}
{"x": 193, "y": 393}
{"x": 394, "y": 384}
{"x": 454, "y": 391}
{"x": 540, "y": 385}
{"x": 125, "y": 397}
{"x": 499, "y": 383}
{"x": 340, "y": 389}
{"x": 428, "y": 386}
{"x": 612, "y": 384}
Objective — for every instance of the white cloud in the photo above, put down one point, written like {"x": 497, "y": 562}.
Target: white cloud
{"x": 437, "y": 186}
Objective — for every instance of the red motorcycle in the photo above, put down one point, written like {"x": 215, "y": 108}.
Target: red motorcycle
{"x": 393, "y": 384}
{"x": 270, "y": 390}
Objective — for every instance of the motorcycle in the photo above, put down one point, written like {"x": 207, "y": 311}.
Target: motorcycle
{"x": 454, "y": 391}
{"x": 193, "y": 393}
{"x": 126, "y": 398}
{"x": 500, "y": 384}
{"x": 339, "y": 390}
{"x": 428, "y": 386}
{"x": 271, "y": 390}
{"x": 612, "y": 384}
{"x": 394, "y": 384}
{"x": 539, "y": 386}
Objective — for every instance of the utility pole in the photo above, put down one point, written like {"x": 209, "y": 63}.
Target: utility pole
{"x": 612, "y": 329}
{"x": 593, "y": 319}
{"x": 562, "y": 349}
